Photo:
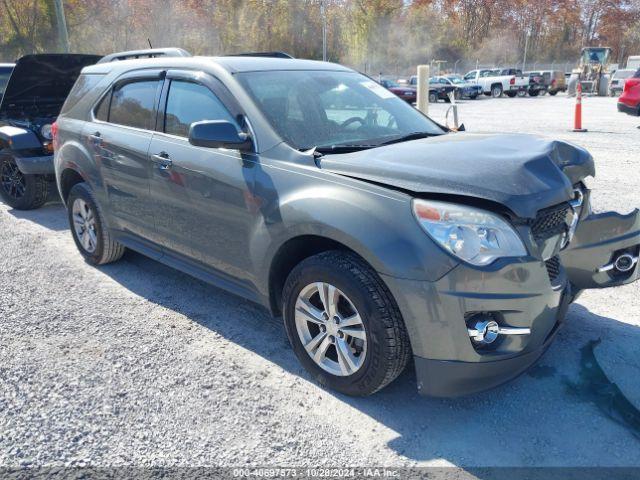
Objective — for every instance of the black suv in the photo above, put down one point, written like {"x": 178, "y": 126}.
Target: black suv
{"x": 33, "y": 96}
{"x": 310, "y": 189}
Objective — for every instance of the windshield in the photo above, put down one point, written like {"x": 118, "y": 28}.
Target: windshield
{"x": 5, "y": 73}
{"x": 390, "y": 84}
{"x": 323, "y": 108}
{"x": 595, "y": 55}
{"x": 623, "y": 74}
{"x": 455, "y": 80}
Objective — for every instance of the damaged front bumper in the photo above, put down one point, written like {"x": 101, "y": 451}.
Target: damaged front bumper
{"x": 517, "y": 294}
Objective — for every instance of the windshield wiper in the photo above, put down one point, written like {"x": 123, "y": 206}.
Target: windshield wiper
{"x": 409, "y": 136}
{"x": 342, "y": 148}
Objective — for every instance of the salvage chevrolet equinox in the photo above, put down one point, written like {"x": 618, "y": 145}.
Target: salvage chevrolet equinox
{"x": 378, "y": 235}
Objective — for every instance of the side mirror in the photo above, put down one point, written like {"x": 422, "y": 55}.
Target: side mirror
{"x": 218, "y": 134}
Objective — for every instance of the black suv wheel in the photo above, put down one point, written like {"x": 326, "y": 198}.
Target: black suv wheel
{"x": 343, "y": 324}
{"x": 92, "y": 238}
{"x": 20, "y": 191}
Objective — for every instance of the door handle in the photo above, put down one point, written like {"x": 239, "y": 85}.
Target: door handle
{"x": 96, "y": 136}
{"x": 163, "y": 160}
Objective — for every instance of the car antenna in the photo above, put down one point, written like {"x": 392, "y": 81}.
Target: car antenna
{"x": 149, "y": 42}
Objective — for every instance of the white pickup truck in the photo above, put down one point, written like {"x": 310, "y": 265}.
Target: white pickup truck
{"x": 497, "y": 81}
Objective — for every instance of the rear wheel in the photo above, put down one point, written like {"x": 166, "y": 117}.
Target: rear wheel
{"x": 510, "y": 94}
{"x": 21, "y": 191}
{"x": 343, "y": 324}
{"x": 93, "y": 239}
{"x": 496, "y": 91}
{"x": 553, "y": 93}
{"x": 522, "y": 93}
{"x": 534, "y": 93}
{"x": 433, "y": 98}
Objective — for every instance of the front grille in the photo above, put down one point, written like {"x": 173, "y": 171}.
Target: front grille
{"x": 553, "y": 268}
{"x": 550, "y": 221}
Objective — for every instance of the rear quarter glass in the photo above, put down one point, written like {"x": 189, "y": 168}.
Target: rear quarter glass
{"x": 84, "y": 84}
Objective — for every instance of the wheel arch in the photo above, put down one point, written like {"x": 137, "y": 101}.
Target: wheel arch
{"x": 68, "y": 178}
{"x": 290, "y": 254}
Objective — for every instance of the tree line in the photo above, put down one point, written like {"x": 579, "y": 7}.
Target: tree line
{"x": 370, "y": 35}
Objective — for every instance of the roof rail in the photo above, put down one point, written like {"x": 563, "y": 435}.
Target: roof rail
{"x": 148, "y": 53}
{"x": 261, "y": 54}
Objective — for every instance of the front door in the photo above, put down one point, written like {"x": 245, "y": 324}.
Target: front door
{"x": 200, "y": 195}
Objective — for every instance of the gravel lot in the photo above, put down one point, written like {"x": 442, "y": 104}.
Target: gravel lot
{"x": 137, "y": 364}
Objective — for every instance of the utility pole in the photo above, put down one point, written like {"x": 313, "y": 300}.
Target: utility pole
{"x": 526, "y": 47}
{"x": 63, "y": 35}
{"x": 323, "y": 14}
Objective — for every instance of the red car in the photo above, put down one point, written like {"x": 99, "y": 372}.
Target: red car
{"x": 407, "y": 94}
{"x": 629, "y": 101}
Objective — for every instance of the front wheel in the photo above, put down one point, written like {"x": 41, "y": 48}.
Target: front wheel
{"x": 92, "y": 237}
{"x": 433, "y": 98}
{"x": 343, "y": 324}
{"x": 19, "y": 190}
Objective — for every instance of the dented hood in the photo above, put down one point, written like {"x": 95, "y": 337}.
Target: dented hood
{"x": 522, "y": 172}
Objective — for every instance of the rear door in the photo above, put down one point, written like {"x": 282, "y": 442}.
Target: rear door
{"x": 119, "y": 136}
{"x": 201, "y": 197}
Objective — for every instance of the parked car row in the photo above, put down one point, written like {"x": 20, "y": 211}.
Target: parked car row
{"x": 492, "y": 82}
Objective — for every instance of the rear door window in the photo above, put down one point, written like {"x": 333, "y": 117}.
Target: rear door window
{"x": 132, "y": 104}
{"x": 189, "y": 102}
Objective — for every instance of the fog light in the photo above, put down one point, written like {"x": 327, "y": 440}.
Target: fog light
{"x": 484, "y": 331}
{"x": 625, "y": 262}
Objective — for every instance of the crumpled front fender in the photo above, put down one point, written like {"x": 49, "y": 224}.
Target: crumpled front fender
{"x": 600, "y": 239}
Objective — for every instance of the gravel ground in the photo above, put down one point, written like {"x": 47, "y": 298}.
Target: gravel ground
{"x": 137, "y": 364}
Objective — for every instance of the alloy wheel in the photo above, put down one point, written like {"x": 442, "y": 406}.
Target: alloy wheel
{"x": 12, "y": 179}
{"x": 330, "y": 329}
{"x": 84, "y": 225}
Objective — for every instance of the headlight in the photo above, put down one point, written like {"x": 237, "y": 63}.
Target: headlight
{"x": 471, "y": 234}
{"x": 45, "y": 131}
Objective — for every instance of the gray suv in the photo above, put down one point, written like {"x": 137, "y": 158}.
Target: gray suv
{"x": 379, "y": 236}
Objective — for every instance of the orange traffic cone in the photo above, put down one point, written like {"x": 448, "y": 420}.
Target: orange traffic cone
{"x": 577, "y": 118}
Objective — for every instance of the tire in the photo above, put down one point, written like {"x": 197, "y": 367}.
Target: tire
{"x": 522, "y": 93}
{"x": 21, "y": 191}
{"x": 447, "y": 99}
{"x": 386, "y": 351}
{"x": 102, "y": 248}
{"x": 553, "y": 93}
{"x": 496, "y": 91}
{"x": 433, "y": 98}
{"x": 473, "y": 97}
{"x": 457, "y": 94}
{"x": 511, "y": 94}
{"x": 534, "y": 93}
